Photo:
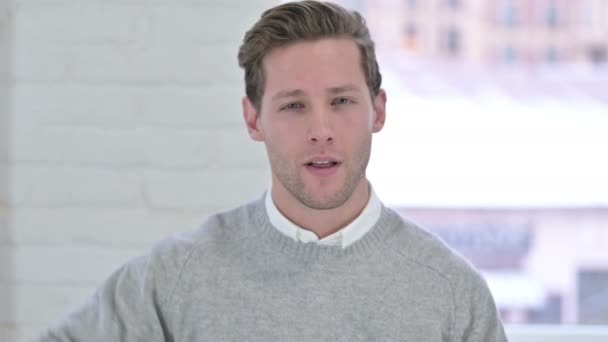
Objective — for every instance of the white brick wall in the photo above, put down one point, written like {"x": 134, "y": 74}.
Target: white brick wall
{"x": 7, "y": 302}
{"x": 121, "y": 125}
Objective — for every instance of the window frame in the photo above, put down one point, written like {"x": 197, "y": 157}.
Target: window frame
{"x": 556, "y": 333}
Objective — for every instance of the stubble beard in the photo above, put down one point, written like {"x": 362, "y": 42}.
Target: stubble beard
{"x": 292, "y": 181}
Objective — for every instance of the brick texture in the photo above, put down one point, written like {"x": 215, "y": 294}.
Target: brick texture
{"x": 120, "y": 123}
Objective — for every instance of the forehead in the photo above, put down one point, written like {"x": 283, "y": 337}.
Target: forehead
{"x": 312, "y": 65}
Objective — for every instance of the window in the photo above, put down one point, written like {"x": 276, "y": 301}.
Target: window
{"x": 552, "y": 55}
{"x": 605, "y": 18}
{"x": 451, "y": 42}
{"x": 505, "y": 164}
{"x": 598, "y": 55}
{"x": 507, "y": 14}
{"x": 593, "y": 296}
{"x": 508, "y": 55}
{"x": 551, "y": 15}
{"x": 452, "y": 4}
{"x": 411, "y": 37}
{"x": 586, "y": 16}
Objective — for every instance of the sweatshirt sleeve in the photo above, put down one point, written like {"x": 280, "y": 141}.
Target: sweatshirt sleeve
{"x": 129, "y": 306}
{"x": 477, "y": 318}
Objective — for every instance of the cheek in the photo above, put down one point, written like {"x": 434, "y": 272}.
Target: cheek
{"x": 284, "y": 133}
{"x": 282, "y": 143}
{"x": 280, "y": 137}
{"x": 356, "y": 129}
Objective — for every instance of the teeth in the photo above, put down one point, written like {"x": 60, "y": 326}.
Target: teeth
{"x": 323, "y": 164}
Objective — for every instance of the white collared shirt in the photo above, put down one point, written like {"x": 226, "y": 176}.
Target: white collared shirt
{"x": 343, "y": 237}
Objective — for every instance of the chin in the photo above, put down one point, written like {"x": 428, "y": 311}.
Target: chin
{"x": 324, "y": 200}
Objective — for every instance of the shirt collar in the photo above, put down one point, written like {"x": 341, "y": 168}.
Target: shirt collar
{"x": 343, "y": 237}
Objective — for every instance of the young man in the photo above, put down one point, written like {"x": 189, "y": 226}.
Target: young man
{"x": 318, "y": 257}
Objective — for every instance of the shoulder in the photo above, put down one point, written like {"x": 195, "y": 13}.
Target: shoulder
{"x": 221, "y": 230}
{"x": 474, "y": 313}
{"x": 419, "y": 246}
{"x": 173, "y": 260}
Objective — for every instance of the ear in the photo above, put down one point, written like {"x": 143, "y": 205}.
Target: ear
{"x": 251, "y": 116}
{"x": 379, "y": 111}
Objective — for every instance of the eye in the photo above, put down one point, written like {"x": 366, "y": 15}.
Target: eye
{"x": 342, "y": 101}
{"x": 293, "y": 106}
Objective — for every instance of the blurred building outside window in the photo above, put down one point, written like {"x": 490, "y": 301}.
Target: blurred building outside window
{"x": 495, "y": 141}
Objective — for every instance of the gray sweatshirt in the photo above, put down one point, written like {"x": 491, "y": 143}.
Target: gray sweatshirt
{"x": 237, "y": 278}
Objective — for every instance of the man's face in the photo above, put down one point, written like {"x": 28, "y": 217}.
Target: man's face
{"x": 316, "y": 119}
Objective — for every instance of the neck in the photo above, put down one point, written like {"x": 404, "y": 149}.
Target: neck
{"x": 322, "y": 222}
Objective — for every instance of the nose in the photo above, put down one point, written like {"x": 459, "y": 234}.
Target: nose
{"x": 320, "y": 130}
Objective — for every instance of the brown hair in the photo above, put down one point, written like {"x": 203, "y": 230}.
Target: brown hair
{"x": 303, "y": 20}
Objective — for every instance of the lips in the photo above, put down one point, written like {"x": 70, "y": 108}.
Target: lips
{"x": 323, "y": 166}
{"x": 322, "y": 162}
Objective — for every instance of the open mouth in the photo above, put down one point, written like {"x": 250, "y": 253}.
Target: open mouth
{"x": 323, "y": 164}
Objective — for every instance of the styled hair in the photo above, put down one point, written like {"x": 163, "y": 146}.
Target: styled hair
{"x": 304, "y": 21}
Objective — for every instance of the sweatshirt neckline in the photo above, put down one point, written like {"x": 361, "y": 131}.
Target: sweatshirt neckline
{"x": 272, "y": 239}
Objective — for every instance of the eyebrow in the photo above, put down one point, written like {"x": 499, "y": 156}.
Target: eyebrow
{"x": 287, "y": 93}
{"x": 300, "y": 92}
{"x": 343, "y": 89}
